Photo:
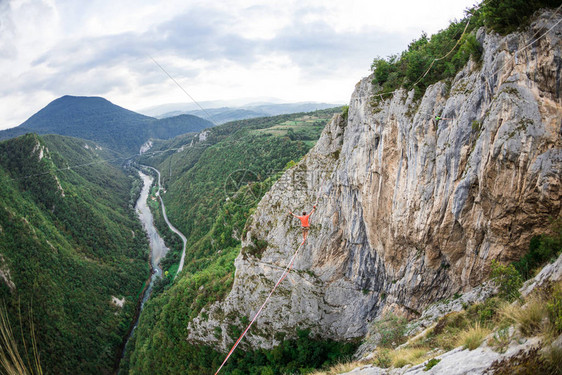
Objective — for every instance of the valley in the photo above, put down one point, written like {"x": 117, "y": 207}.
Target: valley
{"x": 133, "y": 245}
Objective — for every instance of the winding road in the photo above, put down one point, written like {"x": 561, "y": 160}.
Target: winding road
{"x": 174, "y": 229}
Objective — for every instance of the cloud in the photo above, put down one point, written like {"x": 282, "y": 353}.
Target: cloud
{"x": 296, "y": 50}
{"x": 7, "y": 47}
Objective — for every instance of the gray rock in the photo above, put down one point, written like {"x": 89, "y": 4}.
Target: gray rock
{"x": 410, "y": 210}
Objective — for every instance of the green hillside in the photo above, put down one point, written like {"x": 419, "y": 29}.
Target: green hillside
{"x": 195, "y": 177}
{"x": 213, "y": 217}
{"x": 69, "y": 242}
{"x": 99, "y": 120}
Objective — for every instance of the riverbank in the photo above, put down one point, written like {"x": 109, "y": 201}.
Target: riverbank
{"x": 170, "y": 225}
{"x": 158, "y": 250}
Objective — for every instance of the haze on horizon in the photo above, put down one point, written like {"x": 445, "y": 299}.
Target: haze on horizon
{"x": 291, "y": 50}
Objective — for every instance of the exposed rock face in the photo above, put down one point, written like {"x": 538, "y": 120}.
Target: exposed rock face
{"x": 410, "y": 209}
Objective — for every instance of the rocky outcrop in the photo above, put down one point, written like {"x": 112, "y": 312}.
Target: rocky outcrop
{"x": 410, "y": 209}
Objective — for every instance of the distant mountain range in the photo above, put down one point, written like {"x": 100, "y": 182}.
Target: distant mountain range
{"x": 99, "y": 120}
{"x": 125, "y": 131}
{"x": 226, "y": 113}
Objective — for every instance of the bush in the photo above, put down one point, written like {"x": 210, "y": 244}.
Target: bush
{"x": 431, "y": 363}
{"x": 438, "y": 51}
{"x": 383, "y": 359}
{"x": 500, "y": 340}
{"x": 508, "y": 279}
{"x": 541, "y": 250}
{"x": 554, "y": 309}
{"x": 503, "y": 16}
{"x": 345, "y": 111}
{"x": 391, "y": 329}
{"x": 506, "y": 16}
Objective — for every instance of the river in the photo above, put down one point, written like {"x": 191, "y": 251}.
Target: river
{"x": 158, "y": 250}
{"x": 170, "y": 225}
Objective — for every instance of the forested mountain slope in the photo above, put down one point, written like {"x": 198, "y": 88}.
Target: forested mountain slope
{"x": 99, "y": 120}
{"x": 71, "y": 251}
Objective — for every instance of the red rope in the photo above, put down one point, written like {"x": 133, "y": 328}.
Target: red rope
{"x": 283, "y": 276}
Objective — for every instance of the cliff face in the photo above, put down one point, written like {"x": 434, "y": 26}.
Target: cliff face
{"x": 410, "y": 209}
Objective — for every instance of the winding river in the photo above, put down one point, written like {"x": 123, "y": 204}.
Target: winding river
{"x": 172, "y": 228}
{"x": 158, "y": 248}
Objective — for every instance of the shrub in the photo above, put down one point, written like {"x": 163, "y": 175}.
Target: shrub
{"x": 541, "y": 249}
{"x": 345, "y": 111}
{"x": 431, "y": 363}
{"x": 506, "y": 16}
{"x": 443, "y": 52}
{"x": 476, "y": 126}
{"x": 554, "y": 309}
{"x": 445, "y": 332}
{"x": 484, "y": 312}
{"x": 391, "y": 329}
{"x": 508, "y": 279}
{"x": 500, "y": 340}
{"x": 383, "y": 359}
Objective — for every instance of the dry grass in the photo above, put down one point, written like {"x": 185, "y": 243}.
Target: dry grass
{"x": 540, "y": 315}
{"x": 11, "y": 361}
{"x": 409, "y": 356}
{"x": 552, "y": 358}
{"x": 340, "y": 368}
{"x": 472, "y": 338}
{"x": 529, "y": 318}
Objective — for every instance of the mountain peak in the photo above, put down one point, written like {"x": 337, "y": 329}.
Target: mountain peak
{"x": 97, "y": 119}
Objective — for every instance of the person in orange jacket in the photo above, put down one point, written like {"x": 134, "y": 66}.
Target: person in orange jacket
{"x": 305, "y": 222}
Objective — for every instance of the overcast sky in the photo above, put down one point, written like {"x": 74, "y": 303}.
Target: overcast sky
{"x": 297, "y": 50}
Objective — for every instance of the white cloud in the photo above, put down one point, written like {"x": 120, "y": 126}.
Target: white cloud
{"x": 296, "y": 50}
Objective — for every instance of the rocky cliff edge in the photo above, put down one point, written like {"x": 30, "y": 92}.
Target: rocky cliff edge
{"x": 410, "y": 209}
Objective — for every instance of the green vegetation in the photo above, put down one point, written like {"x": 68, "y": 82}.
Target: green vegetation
{"x": 542, "y": 249}
{"x": 443, "y": 54}
{"x": 431, "y": 364}
{"x": 507, "y": 16}
{"x": 508, "y": 279}
{"x": 345, "y": 111}
{"x": 69, "y": 242}
{"x": 391, "y": 329}
{"x": 408, "y": 69}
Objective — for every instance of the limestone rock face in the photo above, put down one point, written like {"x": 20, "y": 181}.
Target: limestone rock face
{"x": 410, "y": 209}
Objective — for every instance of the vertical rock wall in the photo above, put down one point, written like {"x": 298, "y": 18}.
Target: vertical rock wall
{"x": 410, "y": 209}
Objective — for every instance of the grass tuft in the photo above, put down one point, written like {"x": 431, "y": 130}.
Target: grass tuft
{"x": 408, "y": 356}
{"x": 529, "y": 318}
{"x": 11, "y": 361}
{"x": 472, "y": 338}
{"x": 339, "y": 368}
